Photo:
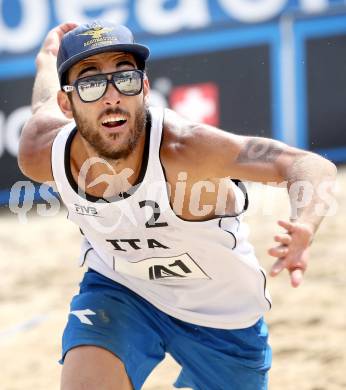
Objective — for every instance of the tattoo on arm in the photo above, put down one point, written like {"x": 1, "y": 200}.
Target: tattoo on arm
{"x": 259, "y": 150}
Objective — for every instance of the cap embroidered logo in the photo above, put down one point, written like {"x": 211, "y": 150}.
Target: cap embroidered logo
{"x": 97, "y": 32}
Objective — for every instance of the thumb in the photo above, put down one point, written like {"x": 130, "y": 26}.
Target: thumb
{"x": 296, "y": 277}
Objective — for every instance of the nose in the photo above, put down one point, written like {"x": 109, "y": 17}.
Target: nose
{"x": 112, "y": 96}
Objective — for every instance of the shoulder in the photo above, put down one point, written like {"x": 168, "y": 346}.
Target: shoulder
{"x": 191, "y": 143}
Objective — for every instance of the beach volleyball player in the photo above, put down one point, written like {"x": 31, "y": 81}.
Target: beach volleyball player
{"x": 159, "y": 202}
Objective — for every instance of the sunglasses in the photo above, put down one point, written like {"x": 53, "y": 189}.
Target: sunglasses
{"x": 92, "y": 88}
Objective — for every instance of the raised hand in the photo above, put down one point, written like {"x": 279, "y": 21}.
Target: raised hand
{"x": 292, "y": 251}
{"x": 52, "y": 41}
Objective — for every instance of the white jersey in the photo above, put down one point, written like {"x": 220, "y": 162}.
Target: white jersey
{"x": 204, "y": 272}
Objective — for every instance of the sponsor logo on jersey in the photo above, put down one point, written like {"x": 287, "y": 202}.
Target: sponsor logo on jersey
{"x": 172, "y": 268}
{"x": 86, "y": 210}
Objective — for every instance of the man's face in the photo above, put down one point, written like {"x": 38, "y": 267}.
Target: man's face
{"x": 113, "y": 124}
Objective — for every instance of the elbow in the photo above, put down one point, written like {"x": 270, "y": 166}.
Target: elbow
{"x": 35, "y": 150}
{"x": 332, "y": 169}
{"x": 308, "y": 163}
{"x": 35, "y": 166}
{"x": 27, "y": 148}
{"x": 26, "y": 160}
{"x": 325, "y": 166}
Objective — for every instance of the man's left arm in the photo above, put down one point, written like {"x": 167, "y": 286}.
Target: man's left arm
{"x": 308, "y": 176}
{"x": 273, "y": 162}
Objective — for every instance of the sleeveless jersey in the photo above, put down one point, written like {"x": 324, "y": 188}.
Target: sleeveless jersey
{"x": 202, "y": 272}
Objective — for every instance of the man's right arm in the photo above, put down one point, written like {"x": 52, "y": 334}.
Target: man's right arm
{"x": 34, "y": 156}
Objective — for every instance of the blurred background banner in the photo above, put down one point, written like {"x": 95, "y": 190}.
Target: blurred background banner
{"x": 273, "y": 68}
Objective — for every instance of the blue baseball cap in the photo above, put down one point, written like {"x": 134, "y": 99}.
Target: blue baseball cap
{"x": 98, "y": 37}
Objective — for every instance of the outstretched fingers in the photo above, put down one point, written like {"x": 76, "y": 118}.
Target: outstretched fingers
{"x": 278, "y": 266}
{"x": 296, "y": 271}
{"x": 289, "y": 226}
{"x": 284, "y": 239}
{"x": 292, "y": 251}
{"x": 279, "y": 251}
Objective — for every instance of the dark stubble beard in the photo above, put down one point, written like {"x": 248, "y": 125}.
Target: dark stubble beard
{"x": 102, "y": 147}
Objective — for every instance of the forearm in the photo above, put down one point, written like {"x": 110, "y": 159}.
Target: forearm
{"x": 46, "y": 85}
{"x": 310, "y": 181}
{"x": 46, "y": 117}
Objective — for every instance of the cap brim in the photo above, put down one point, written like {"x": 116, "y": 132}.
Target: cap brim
{"x": 140, "y": 51}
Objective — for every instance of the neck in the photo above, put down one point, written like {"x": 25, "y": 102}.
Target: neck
{"x": 104, "y": 177}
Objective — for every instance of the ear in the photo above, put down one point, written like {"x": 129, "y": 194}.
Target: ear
{"x": 65, "y": 104}
{"x": 146, "y": 88}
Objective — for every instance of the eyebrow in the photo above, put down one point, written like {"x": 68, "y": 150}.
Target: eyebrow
{"x": 87, "y": 69}
{"x": 124, "y": 62}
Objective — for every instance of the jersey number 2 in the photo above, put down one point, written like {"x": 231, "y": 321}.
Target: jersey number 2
{"x": 156, "y": 214}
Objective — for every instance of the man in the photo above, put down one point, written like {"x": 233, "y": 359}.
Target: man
{"x": 170, "y": 268}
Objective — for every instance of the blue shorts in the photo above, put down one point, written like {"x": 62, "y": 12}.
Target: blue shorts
{"x": 109, "y": 315}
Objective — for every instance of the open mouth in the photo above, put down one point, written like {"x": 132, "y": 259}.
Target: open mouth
{"x": 113, "y": 122}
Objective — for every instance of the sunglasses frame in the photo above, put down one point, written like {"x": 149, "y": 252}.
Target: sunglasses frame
{"x": 111, "y": 80}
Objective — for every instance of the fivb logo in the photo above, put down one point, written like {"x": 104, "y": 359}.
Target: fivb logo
{"x": 86, "y": 210}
